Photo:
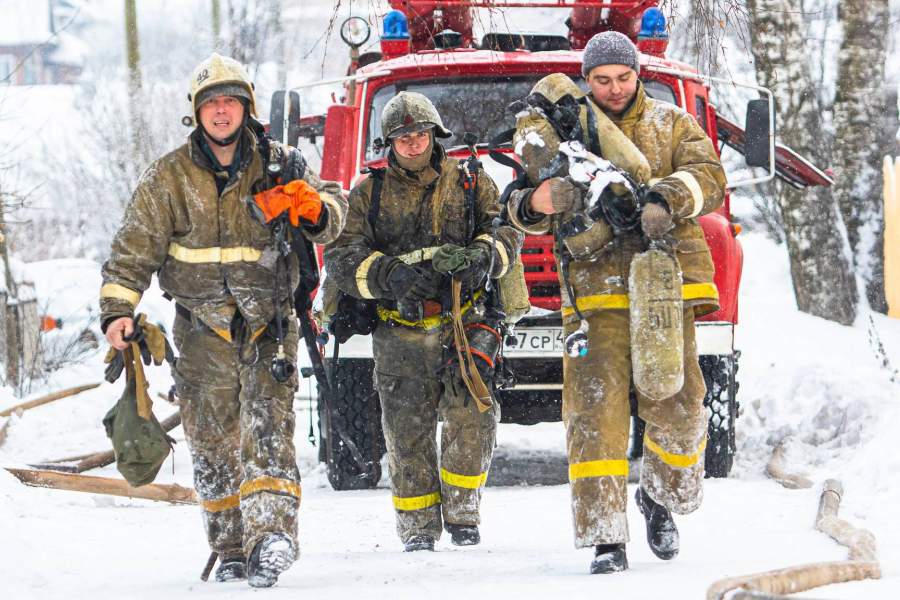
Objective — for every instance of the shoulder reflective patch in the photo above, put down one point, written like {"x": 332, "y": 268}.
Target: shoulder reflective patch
{"x": 214, "y": 254}
{"x": 675, "y": 460}
{"x": 417, "y": 502}
{"x": 120, "y": 292}
{"x": 598, "y": 468}
{"x": 469, "y": 482}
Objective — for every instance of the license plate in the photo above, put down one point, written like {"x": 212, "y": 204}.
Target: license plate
{"x": 535, "y": 341}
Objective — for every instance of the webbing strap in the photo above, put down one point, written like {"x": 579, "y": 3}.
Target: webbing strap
{"x": 467, "y": 366}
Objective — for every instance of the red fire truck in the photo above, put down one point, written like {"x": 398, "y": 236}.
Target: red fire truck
{"x": 428, "y": 46}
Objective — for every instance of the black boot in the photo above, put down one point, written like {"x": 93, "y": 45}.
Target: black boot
{"x": 609, "y": 558}
{"x": 231, "y": 569}
{"x": 270, "y": 557}
{"x": 419, "y": 542}
{"x": 463, "y": 535}
{"x": 662, "y": 535}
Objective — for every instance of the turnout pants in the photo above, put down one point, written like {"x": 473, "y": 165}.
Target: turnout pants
{"x": 413, "y": 398}
{"x": 596, "y": 414}
{"x": 239, "y": 424}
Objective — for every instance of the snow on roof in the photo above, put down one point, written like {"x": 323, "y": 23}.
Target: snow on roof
{"x": 70, "y": 50}
{"x": 24, "y": 23}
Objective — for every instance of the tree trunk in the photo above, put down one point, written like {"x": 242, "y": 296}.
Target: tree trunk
{"x": 135, "y": 102}
{"x": 816, "y": 240}
{"x": 859, "y": 105}
{"x": 216, "y": 25}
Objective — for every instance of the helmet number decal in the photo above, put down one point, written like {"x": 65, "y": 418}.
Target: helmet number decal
{"x": 202, "y": 76}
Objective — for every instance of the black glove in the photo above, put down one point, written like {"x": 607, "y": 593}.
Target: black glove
{"x": 472, "y": 277}
{"x": 411, "y": 283}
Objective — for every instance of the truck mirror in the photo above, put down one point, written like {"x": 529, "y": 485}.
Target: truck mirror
{"x": 757, "y": 134}
{"x": 284, "y": 117}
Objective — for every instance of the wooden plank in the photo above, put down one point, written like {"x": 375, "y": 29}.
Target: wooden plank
{"x": 20, "y": 408}
{"x": 173, "y": 493}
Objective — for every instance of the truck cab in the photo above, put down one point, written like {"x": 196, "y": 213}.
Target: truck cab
{"x": 428, "y": 47}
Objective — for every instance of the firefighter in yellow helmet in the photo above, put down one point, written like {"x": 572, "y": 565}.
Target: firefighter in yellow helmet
{"x": 216, "y": 256}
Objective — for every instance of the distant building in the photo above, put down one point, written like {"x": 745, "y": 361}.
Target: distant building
{"x": 38, "y": 44}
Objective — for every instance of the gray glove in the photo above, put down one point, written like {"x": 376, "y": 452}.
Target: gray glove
{"x": 565, "y": 195}
{"x": 656, "y": 220}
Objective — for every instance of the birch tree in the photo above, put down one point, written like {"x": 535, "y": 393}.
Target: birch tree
{"x": 817, "y": 244}
{"x": 859, "y": 105}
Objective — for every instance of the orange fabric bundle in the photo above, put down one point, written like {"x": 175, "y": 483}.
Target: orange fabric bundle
{"x": 299, "y": 198}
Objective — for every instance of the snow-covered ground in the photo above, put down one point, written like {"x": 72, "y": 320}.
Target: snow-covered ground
{"x": 799, "y": 375}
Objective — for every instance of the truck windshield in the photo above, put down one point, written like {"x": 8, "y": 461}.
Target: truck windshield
{"x": 466, "y": 105}
{"x": 474, "y": 105}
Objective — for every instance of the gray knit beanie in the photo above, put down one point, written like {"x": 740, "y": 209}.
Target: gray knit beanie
{"x": 609, "y": 48}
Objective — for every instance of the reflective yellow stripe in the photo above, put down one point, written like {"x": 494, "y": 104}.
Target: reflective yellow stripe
{"x": 420, "y": 255}
{"x": 417, "y": 502}
{"x": 689, "y": 291}
{"x": 501, "y": 251}
{"x": 470, "y": 482}
{"x": 676, "y": 460}
{"x": 598, "y": 468}
{"x": 362, "y": 275}
{"x": 226, "y": 503}
{"x": 428, "y": 323}
{"x": 223, "y": 333}
{"x": 270, "y": 484}
{"x": 114, "y": 290}
{"x": 695, "y": 190}
{"x": 214, "y": 254}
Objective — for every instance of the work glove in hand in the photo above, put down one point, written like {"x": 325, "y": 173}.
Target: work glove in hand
{"x": 152, "y": 345}
{"x": 411, "y": 283}
{"x": 656, "y": 220}
{"x": 299, "y": 199}
{"x": 565, "y": 195}
{"x": 468, "y": 265}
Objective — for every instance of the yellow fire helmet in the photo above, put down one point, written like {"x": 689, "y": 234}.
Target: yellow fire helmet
{"x": 220, "y": 76}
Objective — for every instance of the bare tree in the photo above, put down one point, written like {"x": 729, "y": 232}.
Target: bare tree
{"x": 823, "y": 280}
{"x": 859, "y": 104}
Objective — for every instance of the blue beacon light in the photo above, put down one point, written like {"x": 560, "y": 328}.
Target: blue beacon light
{"x": 395, "y": 26}
{"x": 653, "y": 25}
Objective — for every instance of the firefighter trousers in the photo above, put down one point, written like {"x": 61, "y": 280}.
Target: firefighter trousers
{"x": 596, "y": 412}
{"x": 239, "y": 425}
{"x": 424, "y": 489}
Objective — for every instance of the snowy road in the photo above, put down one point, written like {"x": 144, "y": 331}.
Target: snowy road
{"x": 65, "y": 545}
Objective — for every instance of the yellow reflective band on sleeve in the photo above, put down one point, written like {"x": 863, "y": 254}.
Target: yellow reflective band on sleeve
{"x": 692, "y": 291}
{"x": 270, "y": 484}
{"x": 120, "y": 292}
{"x": 469, "y": 482}
{"x": 428, "y": 323}
{"x": 362, "y": 275}
{"x": 226, "y": 503}
{"x": 417, "y": 502}
{"x": 675, "y": 460}
{"x": 598, "y": 468}
{"x": 689, "y": 291}
{"x": 695, "y": 190}
{"x": 417, "y": 256}
{"x": 214, "y": 254}
{"x": 501, "y": 251}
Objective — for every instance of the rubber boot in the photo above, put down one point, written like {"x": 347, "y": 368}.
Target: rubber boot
{"x": 463, "y": 535}
{"x": 269, "y": 559}
{"x": 662, "y": 535}
{"x": 231, "y": 569}
{"x": 419, "y": 542}
{"x": 609, "y": 558}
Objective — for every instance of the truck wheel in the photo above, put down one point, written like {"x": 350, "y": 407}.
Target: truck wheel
{"x": 356, "y": 411}
{"x": 721, "y": 388}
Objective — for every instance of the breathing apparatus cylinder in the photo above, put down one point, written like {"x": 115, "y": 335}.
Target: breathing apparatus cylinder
{"x": 657, "y": 332}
